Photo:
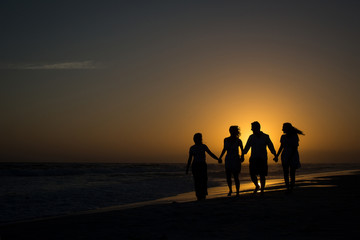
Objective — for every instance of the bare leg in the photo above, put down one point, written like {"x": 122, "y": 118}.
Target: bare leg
{"x": 262, "y": 181}
{"x": 292, "y": 177}
{"x": 254, "y": 179}
{"x": 237, "y": 183}
{"x": 228, "y": 180}
{"x": 286, "y": 177}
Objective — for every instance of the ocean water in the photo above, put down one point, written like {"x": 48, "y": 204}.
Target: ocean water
{"x": 35, "y": 190}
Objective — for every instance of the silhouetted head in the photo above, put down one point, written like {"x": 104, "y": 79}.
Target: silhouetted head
{"x": 197, "y": 138}
{"x": 289, "y": 129}
{"x": 255, "y": 127}
{"x": 234, "y": 131}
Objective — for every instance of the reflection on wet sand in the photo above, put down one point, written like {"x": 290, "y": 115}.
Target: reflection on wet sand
{"x": 305, "y": 180}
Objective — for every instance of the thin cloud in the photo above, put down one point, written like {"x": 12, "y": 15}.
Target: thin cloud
{"x": 59, "y": 66}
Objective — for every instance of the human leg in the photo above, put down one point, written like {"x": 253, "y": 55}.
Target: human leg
{"x": 228, "y": 180}
{"x": 197, "y": 185}
{"x": 292, "y": 177}
{"x": 237, "y": 182}
{"x": 286, "y": 176}
{"x": 262, "y": 182}
{"x": 262, "y": 169}
{"x": 200, "y": 180}
{"x": 204, "y": 180}
{"x": 254, "y": 179}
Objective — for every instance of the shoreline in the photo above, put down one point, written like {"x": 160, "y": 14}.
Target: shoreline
{"x": 322, "y": 206}
{"x": 274, "y": 184}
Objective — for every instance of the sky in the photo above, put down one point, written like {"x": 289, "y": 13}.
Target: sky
{"x": 133, "y": 81}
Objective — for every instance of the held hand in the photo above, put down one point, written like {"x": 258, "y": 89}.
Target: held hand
{"x": 276, "y": 159}
{"x": 242, "y": 158}
{"x": 220, "y": 161}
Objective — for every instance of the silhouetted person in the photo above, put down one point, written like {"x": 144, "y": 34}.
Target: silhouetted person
{"x": 290, "y": 160}
{"x": 232, "y": 159}
{"x": 198, "y": 166}
{"x": 258, "y": 142}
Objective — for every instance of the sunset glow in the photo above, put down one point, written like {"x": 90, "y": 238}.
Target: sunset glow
{"x": 136, "y": 86}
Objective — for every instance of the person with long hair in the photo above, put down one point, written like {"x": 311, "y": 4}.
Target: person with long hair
{"x": 197, "y": 160}
{"x": 233, "y": 159}
{"x": 290, "y": 160}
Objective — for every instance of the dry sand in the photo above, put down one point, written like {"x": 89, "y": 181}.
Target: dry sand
{"x": 322, "y": 208}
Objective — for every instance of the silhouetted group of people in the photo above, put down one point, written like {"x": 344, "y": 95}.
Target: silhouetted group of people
{"x": 258, "y": 164}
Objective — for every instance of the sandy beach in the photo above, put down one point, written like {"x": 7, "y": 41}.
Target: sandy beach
{"x": 325, "y": 207}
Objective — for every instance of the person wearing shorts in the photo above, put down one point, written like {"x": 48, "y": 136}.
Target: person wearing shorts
{"x": 258, "y": 142}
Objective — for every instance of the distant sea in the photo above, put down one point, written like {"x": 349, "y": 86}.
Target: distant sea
{"x": 35, "y": 190}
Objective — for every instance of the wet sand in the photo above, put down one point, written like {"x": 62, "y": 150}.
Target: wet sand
{"x": 326, "y": 207}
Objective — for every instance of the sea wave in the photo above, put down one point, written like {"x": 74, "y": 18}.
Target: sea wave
{"x": 32, "y": 190}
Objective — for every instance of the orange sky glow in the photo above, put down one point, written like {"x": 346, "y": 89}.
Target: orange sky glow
{"x": 162, "y": 73}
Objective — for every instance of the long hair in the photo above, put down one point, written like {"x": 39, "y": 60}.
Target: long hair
{"x": 288, "y": 128}
{"x": 234, "y": 131}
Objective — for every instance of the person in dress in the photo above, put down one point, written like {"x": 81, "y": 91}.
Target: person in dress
{"x": 289, "y": 143}
{"x": 258, "y": 142}
{"x": 197, "y": 160}
{"x": 232, "y": 159}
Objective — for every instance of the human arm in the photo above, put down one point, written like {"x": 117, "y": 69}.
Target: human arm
{"x": 281, "y": 148}
{"x": 221, "y": 155}
{"x": 242, "y": 150}
{"x": 271, "y": 147}
{"x": 247, "y": 146}
{"x": 212, "y": 155}
{"x": 189, "y": 162}
{"x": 278, "y": 153}
{"x": 222, "y": 152}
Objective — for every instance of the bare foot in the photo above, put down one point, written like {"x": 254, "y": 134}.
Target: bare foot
{"x": 256, "y": 189}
